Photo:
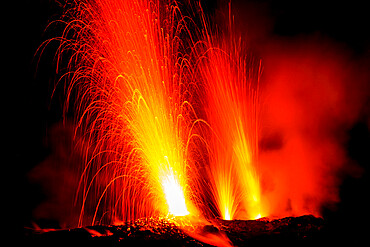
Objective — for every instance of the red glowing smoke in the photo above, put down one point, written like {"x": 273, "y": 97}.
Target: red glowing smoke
{"x": 313, "y": 94}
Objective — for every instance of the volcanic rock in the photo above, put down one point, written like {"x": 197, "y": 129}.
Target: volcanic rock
{"x": 157, "y": 231}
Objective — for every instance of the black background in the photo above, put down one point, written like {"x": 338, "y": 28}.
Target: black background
{"x": 32, "y": 111}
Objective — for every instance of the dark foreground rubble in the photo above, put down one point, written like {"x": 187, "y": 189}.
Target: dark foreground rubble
{"x": 161, "y": 232}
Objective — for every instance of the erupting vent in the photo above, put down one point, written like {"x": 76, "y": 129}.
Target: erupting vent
{"x": 175, "y": 120}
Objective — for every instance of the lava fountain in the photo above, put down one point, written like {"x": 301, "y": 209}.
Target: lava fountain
{"x": 127, "y": 72}
{"x": 231, "y": 78}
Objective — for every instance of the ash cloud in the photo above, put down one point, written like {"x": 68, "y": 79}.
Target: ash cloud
{"x": 314, "y": 89}
{"x": 313, "y": 94}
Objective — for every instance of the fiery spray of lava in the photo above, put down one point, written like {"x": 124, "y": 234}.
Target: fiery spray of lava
{"x": 231, "y": 79}
{"x": 133, "y": 107}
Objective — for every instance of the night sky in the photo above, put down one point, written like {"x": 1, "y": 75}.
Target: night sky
{"x": 33, "y": 112}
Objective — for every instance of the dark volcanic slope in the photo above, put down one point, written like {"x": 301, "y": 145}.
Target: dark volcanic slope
{"x": 293, "y": 230}
{"x": 161, "y": 232}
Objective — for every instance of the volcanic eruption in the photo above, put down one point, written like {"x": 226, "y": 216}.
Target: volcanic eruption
{"x": 181, "y": 135}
